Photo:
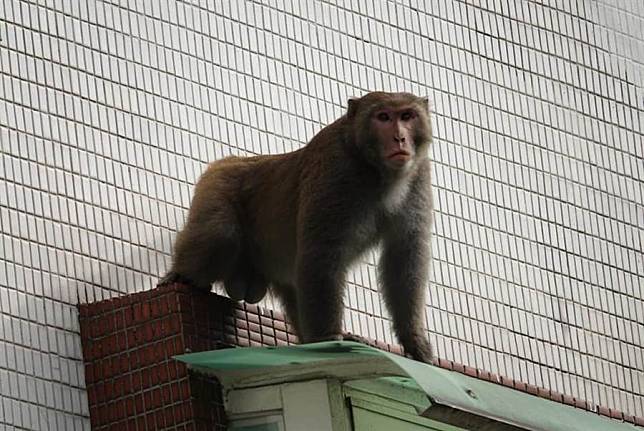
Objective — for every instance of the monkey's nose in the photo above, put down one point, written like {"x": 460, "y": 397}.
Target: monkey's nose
{"x": 399, "y": 139}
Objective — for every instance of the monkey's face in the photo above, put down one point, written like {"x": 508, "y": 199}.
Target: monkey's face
{"x": 392, "y": 129}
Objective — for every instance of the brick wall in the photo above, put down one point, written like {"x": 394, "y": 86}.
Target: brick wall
{"x": 134, "y": 384}
{"x": 128, "y": 343}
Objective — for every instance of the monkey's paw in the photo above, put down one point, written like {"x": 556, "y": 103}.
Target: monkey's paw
{"x": 348, "y": 336}
{"x": 321, "y": 338}
{"x": 420, "y": 350}
{"x": 174, "y": 277}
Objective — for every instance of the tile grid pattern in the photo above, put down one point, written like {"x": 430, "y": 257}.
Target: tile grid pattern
{"x": 110, "y": 110}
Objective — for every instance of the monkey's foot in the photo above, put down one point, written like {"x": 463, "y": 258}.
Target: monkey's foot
{"x": 420, "y": 350}
{"x": 175, "y": 277}
{"x": 348, "y": 336}
{"x": 331, "y": 337}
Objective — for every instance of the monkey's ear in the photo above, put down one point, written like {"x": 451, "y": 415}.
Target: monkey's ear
{"x": 352, "y": 107}
{"x": 424, "y": 101}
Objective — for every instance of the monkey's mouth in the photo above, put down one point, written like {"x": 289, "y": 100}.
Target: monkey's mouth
{"x": 399, "y": 156}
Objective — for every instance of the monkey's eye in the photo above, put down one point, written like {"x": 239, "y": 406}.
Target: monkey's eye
{"x": 407, "y": 115}
{"x": 382, "y": 116}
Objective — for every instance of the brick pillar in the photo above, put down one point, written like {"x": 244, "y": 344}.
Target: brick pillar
{"x": 128, "y": 343}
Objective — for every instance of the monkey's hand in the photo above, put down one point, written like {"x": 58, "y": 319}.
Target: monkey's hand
{"x": 419, "y": 349}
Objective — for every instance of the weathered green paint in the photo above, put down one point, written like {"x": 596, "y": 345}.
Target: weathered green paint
{"x": 403, "y": 390}
{"x": 390, "y": 403}
{"x": 247, "y": 367}
{"x": 345, "y": 361}
{"x": 369, "y": 416}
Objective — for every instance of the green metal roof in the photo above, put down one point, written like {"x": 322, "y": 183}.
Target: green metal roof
{"x": 244, "y": 367}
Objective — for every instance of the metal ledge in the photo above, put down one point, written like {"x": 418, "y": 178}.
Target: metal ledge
{"x": 449, "y": 392}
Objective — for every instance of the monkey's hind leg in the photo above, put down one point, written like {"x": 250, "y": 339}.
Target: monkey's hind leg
{"x": 205, "y": 252}
{"x": 288, "y": 298}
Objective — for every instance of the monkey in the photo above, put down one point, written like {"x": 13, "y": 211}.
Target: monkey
{"x": 294, "y": 223}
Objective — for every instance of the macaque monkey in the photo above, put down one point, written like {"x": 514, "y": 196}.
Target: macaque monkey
{"x": 297, "y": 221}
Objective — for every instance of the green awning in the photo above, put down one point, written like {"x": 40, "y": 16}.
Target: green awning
{"x": 245, "y": 367}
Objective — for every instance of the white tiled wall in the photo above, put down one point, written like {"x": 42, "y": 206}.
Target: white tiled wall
{"x": 109, "y": 111}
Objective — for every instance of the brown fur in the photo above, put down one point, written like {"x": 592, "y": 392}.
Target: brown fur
{"x": 297, "y": 221}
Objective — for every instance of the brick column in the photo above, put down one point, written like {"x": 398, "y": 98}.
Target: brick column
{"x": 128, "y": 343}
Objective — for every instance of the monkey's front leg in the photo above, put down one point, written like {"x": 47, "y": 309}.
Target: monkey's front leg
{"x": 404, "y": 267}
{"x": 320, "y": 284}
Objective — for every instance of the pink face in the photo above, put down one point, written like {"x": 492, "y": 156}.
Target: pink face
{"x": 394, "y": 128}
